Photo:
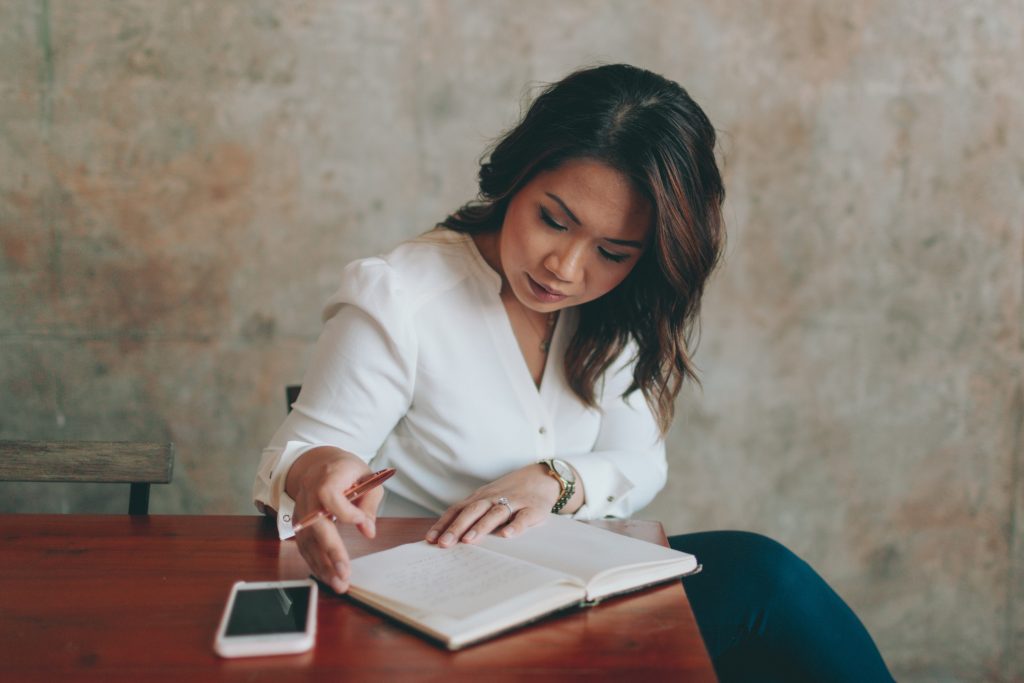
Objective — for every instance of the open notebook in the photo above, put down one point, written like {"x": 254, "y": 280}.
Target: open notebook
{"x": 467, "y": 593}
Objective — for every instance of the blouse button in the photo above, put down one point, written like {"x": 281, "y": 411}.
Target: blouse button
{"x": 286, "y": 518}
{"x": 543, "y": 430}
{"x": 611, "y": 499}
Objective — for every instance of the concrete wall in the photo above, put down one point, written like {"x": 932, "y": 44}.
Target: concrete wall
{"x": 180, "y": 183}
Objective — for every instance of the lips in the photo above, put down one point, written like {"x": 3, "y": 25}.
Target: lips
{"x": 545, "y": 294}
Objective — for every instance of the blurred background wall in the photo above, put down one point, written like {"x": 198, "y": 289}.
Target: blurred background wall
{"x": 181, "y": 182}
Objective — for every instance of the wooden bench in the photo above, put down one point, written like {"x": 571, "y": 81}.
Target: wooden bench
{"x": 137, "y": 463}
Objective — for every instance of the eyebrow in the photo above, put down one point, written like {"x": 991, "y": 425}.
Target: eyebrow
{"x": 570, "y": 214}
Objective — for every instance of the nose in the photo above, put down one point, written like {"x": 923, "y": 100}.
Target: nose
{"x": 566, "y": 263}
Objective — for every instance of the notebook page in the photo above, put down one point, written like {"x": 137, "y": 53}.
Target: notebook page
{"x": 454, "y": 582}
{"x": 581, "y": 550}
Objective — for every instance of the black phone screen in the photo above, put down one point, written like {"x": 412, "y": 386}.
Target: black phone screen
{"x": 269, "y": 610}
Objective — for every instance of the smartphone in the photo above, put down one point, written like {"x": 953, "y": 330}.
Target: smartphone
{"x": 268, "y": 618}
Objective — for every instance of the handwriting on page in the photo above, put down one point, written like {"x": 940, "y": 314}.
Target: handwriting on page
{"x": 462, "y": 580}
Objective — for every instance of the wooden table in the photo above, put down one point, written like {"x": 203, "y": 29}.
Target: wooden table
{"x": 119, "y": 598}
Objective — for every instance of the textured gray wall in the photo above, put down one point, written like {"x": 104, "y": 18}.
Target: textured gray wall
{"x": 180, "y": 183}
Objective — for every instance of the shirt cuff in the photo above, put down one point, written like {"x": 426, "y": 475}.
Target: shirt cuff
{"x": 284, "y": 504}
{"x": 605, "y": 486}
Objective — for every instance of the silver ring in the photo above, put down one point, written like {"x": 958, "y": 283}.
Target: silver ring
{"x": 508, "y": 506}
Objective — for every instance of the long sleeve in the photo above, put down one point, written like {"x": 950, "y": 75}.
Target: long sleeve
{"x": 627, "y": 467}
{"x": 358, "y": 386}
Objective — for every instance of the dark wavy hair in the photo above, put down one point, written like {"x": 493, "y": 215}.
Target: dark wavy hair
{"x": 650, "y": 130}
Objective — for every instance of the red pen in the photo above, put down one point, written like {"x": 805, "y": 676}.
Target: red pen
{"x": 351, "y": 493}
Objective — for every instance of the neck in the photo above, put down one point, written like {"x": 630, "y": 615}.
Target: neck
{"x": 542, "y": 324}
{"x": 487, "y": 244}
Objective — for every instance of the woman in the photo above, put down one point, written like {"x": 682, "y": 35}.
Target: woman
{"x": 524, "y": 358}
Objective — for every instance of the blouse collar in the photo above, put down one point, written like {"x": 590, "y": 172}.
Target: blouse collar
{"x": 484, "y": 269}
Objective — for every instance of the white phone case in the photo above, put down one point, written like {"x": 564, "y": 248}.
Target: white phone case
{"x": 269, "y": 643}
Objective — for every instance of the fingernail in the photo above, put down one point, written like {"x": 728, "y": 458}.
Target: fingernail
{"x": 470, "y": 535}
{"x": 338, "y": 585}
{"x": 447, "y": 538}
{"x": 342, "y": 570}
{"x": 508, "y": 531}
{"x": 432, "y": 535}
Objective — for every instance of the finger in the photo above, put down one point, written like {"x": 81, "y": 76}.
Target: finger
{"x": 368, "y": 503}
{"x": 313, "y": 553}
{"x": 462, "y": 522}
{"x": 443, "y": 522}
{"x": 492, "y": 519}
{"x": 324, "y": 551}
{"x": 335, "y": 502}
{"x": 320, "y": 567}
{"x": 523, "y": 520}
{"x": 337, "y": 556}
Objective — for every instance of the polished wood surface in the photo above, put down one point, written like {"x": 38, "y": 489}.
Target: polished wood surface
{"x": 120, "y": 598}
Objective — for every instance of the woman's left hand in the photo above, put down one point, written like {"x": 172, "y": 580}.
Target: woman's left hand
{"x": 530, "y": 491}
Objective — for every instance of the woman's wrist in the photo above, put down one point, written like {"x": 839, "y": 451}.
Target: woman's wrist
{"x": 578, "y": 497}
{"x": 546, "y": 483}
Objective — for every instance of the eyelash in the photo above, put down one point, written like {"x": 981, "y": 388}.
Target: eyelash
{"x": 614, "y": 258}
{"x": 555, "y": 225}
{"x": 546, "y": 217}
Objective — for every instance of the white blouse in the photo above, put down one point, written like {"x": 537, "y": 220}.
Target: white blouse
{"x": 418, "y": 368}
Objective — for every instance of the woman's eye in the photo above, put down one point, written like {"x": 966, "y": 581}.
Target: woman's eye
{"x": 615, "y": 258}
{"x": 547, "y": 218}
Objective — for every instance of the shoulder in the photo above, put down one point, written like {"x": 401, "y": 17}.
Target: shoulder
{"x": 432, "y": 263}
{"x": 409, "y": 276}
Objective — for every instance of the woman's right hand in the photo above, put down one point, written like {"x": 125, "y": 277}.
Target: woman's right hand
{"x": 318, "y": 480}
